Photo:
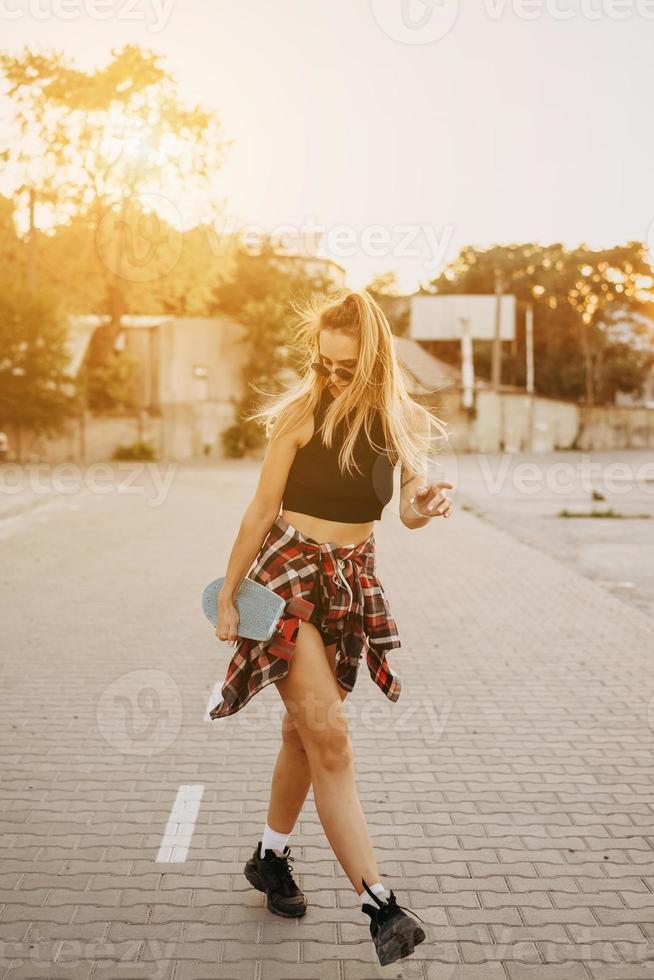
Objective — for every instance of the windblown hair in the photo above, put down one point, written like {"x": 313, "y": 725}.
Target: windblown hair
{"x": 377, "y": 384}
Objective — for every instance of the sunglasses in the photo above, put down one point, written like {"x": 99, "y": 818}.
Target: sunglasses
{"x": 325, "y": 372}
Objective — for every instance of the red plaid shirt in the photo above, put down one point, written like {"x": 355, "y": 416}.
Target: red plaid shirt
{"x": 357, "y": 613}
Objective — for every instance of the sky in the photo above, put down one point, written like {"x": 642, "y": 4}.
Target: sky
{"x": 402, "y": 129}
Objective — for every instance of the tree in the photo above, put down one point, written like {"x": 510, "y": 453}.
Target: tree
{"x": 626, "y": 356}
{"x": 573, "y": 293}
{"x": 384, "y": 284}
{"x": 71, "y": 267}
{"x": 34, "y": 145}
{"x": 127, "y": 148}
{"x": 258, "y": 296}
{"x": 12, "y": 252}
{"x": 36, "y": 392}
{"x": 385, "y": 291}
{"x": 108, "y": 387}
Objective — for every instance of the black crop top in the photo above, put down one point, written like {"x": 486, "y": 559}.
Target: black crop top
{"x": 316, "y": 486}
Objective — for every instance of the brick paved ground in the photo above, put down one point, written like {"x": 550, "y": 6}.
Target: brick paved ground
{"x": 525, "y": 493}
{"x": 509, "y": 790}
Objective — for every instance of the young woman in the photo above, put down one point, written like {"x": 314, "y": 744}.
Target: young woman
{"x": 334, "y": 442}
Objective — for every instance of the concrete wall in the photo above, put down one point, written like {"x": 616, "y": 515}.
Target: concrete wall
{"x": 515, "y": 422}
{"x": 144, "y": 343}
{"x": 193, "y": 411}
{"x": 183, "y": 431}
{"x": 210, "y": 343}
{"x": 190, "y": 412}
{"x": 91, "y": 440}
{"x": 617, "y": 427}
{"x": 190, "y": 429}
{"x": 518, "y": 423}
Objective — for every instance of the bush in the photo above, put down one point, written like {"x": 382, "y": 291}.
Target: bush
{"x": 138, "y": 450}
{"x": 108, "y": 386}
{"x": 232, "y": 442}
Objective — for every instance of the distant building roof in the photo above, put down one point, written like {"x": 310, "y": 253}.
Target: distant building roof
{"x": 310, "y": 260}
{"x": 430, "y": 373}
{"x": 85, "y": 320}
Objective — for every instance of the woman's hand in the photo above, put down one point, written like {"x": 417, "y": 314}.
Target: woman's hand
{"x": 227, "y": 621}
{"x": 432, "y": 501}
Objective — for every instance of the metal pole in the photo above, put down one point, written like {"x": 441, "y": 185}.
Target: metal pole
{"x": 529, "y": 344}
{"x": 496, "y": 377}
{"x": 467, "y": 364}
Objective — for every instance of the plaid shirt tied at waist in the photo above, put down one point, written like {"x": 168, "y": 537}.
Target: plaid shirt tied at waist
{"x": 356, "y": 613}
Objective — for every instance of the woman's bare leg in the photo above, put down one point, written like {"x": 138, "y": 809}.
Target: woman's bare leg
{"x": 311, "y": 695}
{"x": 290, "y": 782}
{"x": 291, "y": 779}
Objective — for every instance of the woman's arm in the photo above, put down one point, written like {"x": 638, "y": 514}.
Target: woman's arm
{"x": 262, "y": 510}
{"x": 416, "y": 492}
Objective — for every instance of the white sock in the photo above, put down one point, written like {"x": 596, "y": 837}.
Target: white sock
{"x": 378, "y": 889}
{"x": 272, "y": 839}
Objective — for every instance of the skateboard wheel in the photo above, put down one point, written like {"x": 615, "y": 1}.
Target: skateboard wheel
{"x": 302, "y": 608}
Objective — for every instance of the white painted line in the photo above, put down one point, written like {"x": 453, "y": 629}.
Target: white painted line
{"x": 15, "y": 523}
{"x": 181, "y": 824}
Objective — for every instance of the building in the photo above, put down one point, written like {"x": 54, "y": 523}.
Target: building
{"x": 313, "y": 265}
{"x": 188, "y": 371}
{"x": 188, "y": 375}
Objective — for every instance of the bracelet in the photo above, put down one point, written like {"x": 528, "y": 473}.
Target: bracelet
{"x": 418, "y": 512}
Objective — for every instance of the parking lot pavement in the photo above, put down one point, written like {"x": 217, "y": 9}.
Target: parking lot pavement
{"x": 508, "y": 790}
{"x": 547, "y": 499}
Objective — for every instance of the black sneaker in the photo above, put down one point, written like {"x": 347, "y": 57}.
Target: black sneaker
{"x": 394, "y": 933}
{"x": 272, "y": 874}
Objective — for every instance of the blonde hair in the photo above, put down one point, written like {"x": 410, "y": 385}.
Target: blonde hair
{"x": 377, "y": 383}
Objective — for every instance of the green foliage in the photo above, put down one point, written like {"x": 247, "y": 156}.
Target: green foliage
{"x": 137, "y": 450}
{"x": 113, "y": 147}
{"x": 385, "y": 291}
{"x": 12, "y": 253}
{"x": 580, "y": 296}
{"x": 109, "y": 387}
{"x": 35, "y": 390}
{"x": 238, "y": 438}
{"x": 258, "y": 296}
